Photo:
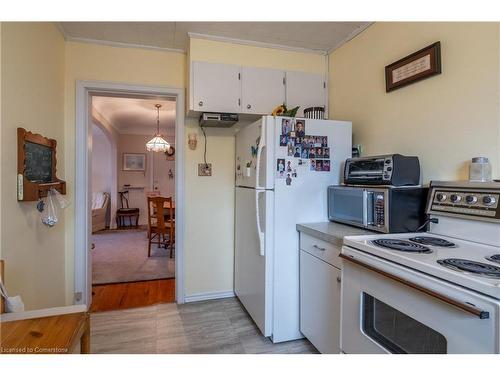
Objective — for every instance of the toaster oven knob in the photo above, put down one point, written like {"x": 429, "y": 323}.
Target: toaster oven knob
{"x": 489, "y": 200}
{"x": 441, "y": 197}
{"x": 455, "y": 198}
{"x": 471, "y": 199}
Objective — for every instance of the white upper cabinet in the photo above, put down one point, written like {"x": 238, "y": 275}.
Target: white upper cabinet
{"x": 215, "y": 87}
{"x": 262, "y": 90}
{"x": 229, "y": 88}
{"x": 305, "y": 90}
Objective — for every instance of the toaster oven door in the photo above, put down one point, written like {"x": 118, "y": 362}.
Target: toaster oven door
{"x": 347, "y": 205}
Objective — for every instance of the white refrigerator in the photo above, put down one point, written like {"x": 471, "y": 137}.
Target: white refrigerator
{"x": 279, "y": 183}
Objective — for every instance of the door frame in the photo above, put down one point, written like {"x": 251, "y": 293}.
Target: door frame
{"x": 83, "y": 190}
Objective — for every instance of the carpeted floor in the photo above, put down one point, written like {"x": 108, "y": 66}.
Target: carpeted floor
{"x": 121, "y": 256}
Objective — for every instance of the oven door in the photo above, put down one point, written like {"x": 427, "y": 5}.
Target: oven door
{"x": 387, "y": 308}
{"x": 347, "y": 205}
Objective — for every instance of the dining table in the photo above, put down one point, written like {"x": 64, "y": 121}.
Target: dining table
{"x": 166, "y": 213}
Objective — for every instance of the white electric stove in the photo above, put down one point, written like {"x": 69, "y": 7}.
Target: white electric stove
{"x": 428, "y": 292}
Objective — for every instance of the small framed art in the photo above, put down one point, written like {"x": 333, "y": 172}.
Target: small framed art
{"x": 134, "y": 162}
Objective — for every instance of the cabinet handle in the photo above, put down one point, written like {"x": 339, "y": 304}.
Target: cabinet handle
{"x": 249, "y": 106}
{"x": 339, "y": 279}
{"x": 319, "y": 248}
{"x": 200, "y": 103}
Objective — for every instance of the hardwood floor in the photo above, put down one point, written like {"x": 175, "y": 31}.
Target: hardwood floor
{"x": 130, "y": 295}
{"x": 217, "y": 326}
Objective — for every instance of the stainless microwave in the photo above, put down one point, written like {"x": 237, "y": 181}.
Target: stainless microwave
{"x": 385, "y": 209}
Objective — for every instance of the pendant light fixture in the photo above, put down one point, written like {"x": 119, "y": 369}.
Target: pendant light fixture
{"x": 158, "y": 143}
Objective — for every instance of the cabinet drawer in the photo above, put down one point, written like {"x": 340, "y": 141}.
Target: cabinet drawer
{"x": 321, "y": 249}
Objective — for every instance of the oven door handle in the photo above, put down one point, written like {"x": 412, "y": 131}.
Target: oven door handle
{"x": 459, "y": 305}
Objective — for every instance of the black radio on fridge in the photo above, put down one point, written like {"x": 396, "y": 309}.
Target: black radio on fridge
{"x": 394, "y": 169}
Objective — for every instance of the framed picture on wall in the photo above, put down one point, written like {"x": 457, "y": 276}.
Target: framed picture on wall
{"x": 134, "y": 162}
{"x": 420, "y": 65}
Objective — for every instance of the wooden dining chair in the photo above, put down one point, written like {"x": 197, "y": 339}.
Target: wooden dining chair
{"x": 158, "y": 227}
{"x": 126, "y": 212}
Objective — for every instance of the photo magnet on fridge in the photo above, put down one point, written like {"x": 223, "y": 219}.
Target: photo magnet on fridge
{"x": 326, "y": 165}
{"x": 319, "y": 153}
{"x": 312, "y": 153}
{"x": 291, "y": 148}
{"x": 300, "y": 128}
{"x": 319, "y": 165}
{"x": 326, "y": 152}
{"x": 298, "y": 151}
{"x": 288, "y": 166}
{"x": 286, "y": 126}
{"x": 305, "y": 153}
{"x": 283, "y": 140}
{"x": 288, "y": 179}
{"x": 317, "y": 141}
{"x": 313, "y": 165}
{"x": 280, "y": 168}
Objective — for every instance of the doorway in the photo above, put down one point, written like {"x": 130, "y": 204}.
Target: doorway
{"x": 115, "y": 175}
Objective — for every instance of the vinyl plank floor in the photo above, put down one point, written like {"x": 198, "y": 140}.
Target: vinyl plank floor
{"x": 218, "y": 326}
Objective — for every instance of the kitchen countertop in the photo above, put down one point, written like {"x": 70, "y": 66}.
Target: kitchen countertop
{"x": 331, "y": 232}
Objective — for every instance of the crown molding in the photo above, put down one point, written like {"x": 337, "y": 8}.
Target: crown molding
{"x": 351, "y": 36}
{"x": 254, "y": 43}
{"x": 122, "y": 45}
{"x": 61, "y": 30}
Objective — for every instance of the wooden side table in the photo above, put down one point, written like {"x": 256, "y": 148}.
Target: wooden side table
{"x": 56, "y": 334}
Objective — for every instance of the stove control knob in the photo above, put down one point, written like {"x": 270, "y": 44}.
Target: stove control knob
{"x": 441, "y": 197}
{"x": 455, "y": 198}
{"x": 471, "y": 199}
{"x": 489, "y": 200}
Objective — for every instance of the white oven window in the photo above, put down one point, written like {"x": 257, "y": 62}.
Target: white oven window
{"x": 397, "y": 332}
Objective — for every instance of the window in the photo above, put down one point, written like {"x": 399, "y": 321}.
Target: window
{"x": 397, "y": 332}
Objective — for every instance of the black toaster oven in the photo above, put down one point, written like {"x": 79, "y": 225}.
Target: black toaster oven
{"x": 394, "y": 169}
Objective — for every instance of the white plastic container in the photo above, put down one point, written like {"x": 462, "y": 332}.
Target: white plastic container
{"x": 480, "y": 170}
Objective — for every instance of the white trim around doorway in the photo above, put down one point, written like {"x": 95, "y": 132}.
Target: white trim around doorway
{"x": 83, "y": 270}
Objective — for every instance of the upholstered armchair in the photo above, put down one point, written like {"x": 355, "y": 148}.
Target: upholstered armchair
{"x": 100, "y": 202}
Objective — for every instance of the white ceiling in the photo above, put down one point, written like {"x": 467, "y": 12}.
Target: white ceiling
{"x": 320, "y": 36}
{"x": 136, "y": 115}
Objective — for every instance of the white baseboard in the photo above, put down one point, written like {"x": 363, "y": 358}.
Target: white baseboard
{"x": 208, "y": 296}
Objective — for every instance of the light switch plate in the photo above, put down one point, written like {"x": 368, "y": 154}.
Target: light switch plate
{"x": 204, "y": 170}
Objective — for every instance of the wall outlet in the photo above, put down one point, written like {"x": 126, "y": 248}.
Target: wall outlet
{"x": 204, "y": 170}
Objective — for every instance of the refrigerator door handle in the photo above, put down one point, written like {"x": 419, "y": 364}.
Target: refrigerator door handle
{"x": 260, "y": 147}
{"x": 259, "y": 227}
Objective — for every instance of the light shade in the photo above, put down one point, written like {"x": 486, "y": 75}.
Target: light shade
{"x": 158, "y": 144}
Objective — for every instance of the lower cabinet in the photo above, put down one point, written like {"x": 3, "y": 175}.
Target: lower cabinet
{"x": 320, "y": 303}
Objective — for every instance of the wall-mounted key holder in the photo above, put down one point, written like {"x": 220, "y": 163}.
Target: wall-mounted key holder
{"x": 36, "y": 166}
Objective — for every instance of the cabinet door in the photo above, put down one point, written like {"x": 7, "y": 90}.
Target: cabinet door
{"x": 262, "y": 90}
{"x": 320, "y": 303}
{"x": 305, "y": 90}
{"x": 215, "y": 87}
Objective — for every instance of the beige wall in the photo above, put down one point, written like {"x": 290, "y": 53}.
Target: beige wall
{"x": 32, "y": 85}
{"x": 446, "y": 119}
{"x": 260, "y": 57}
{"x": 210, "y": 209}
